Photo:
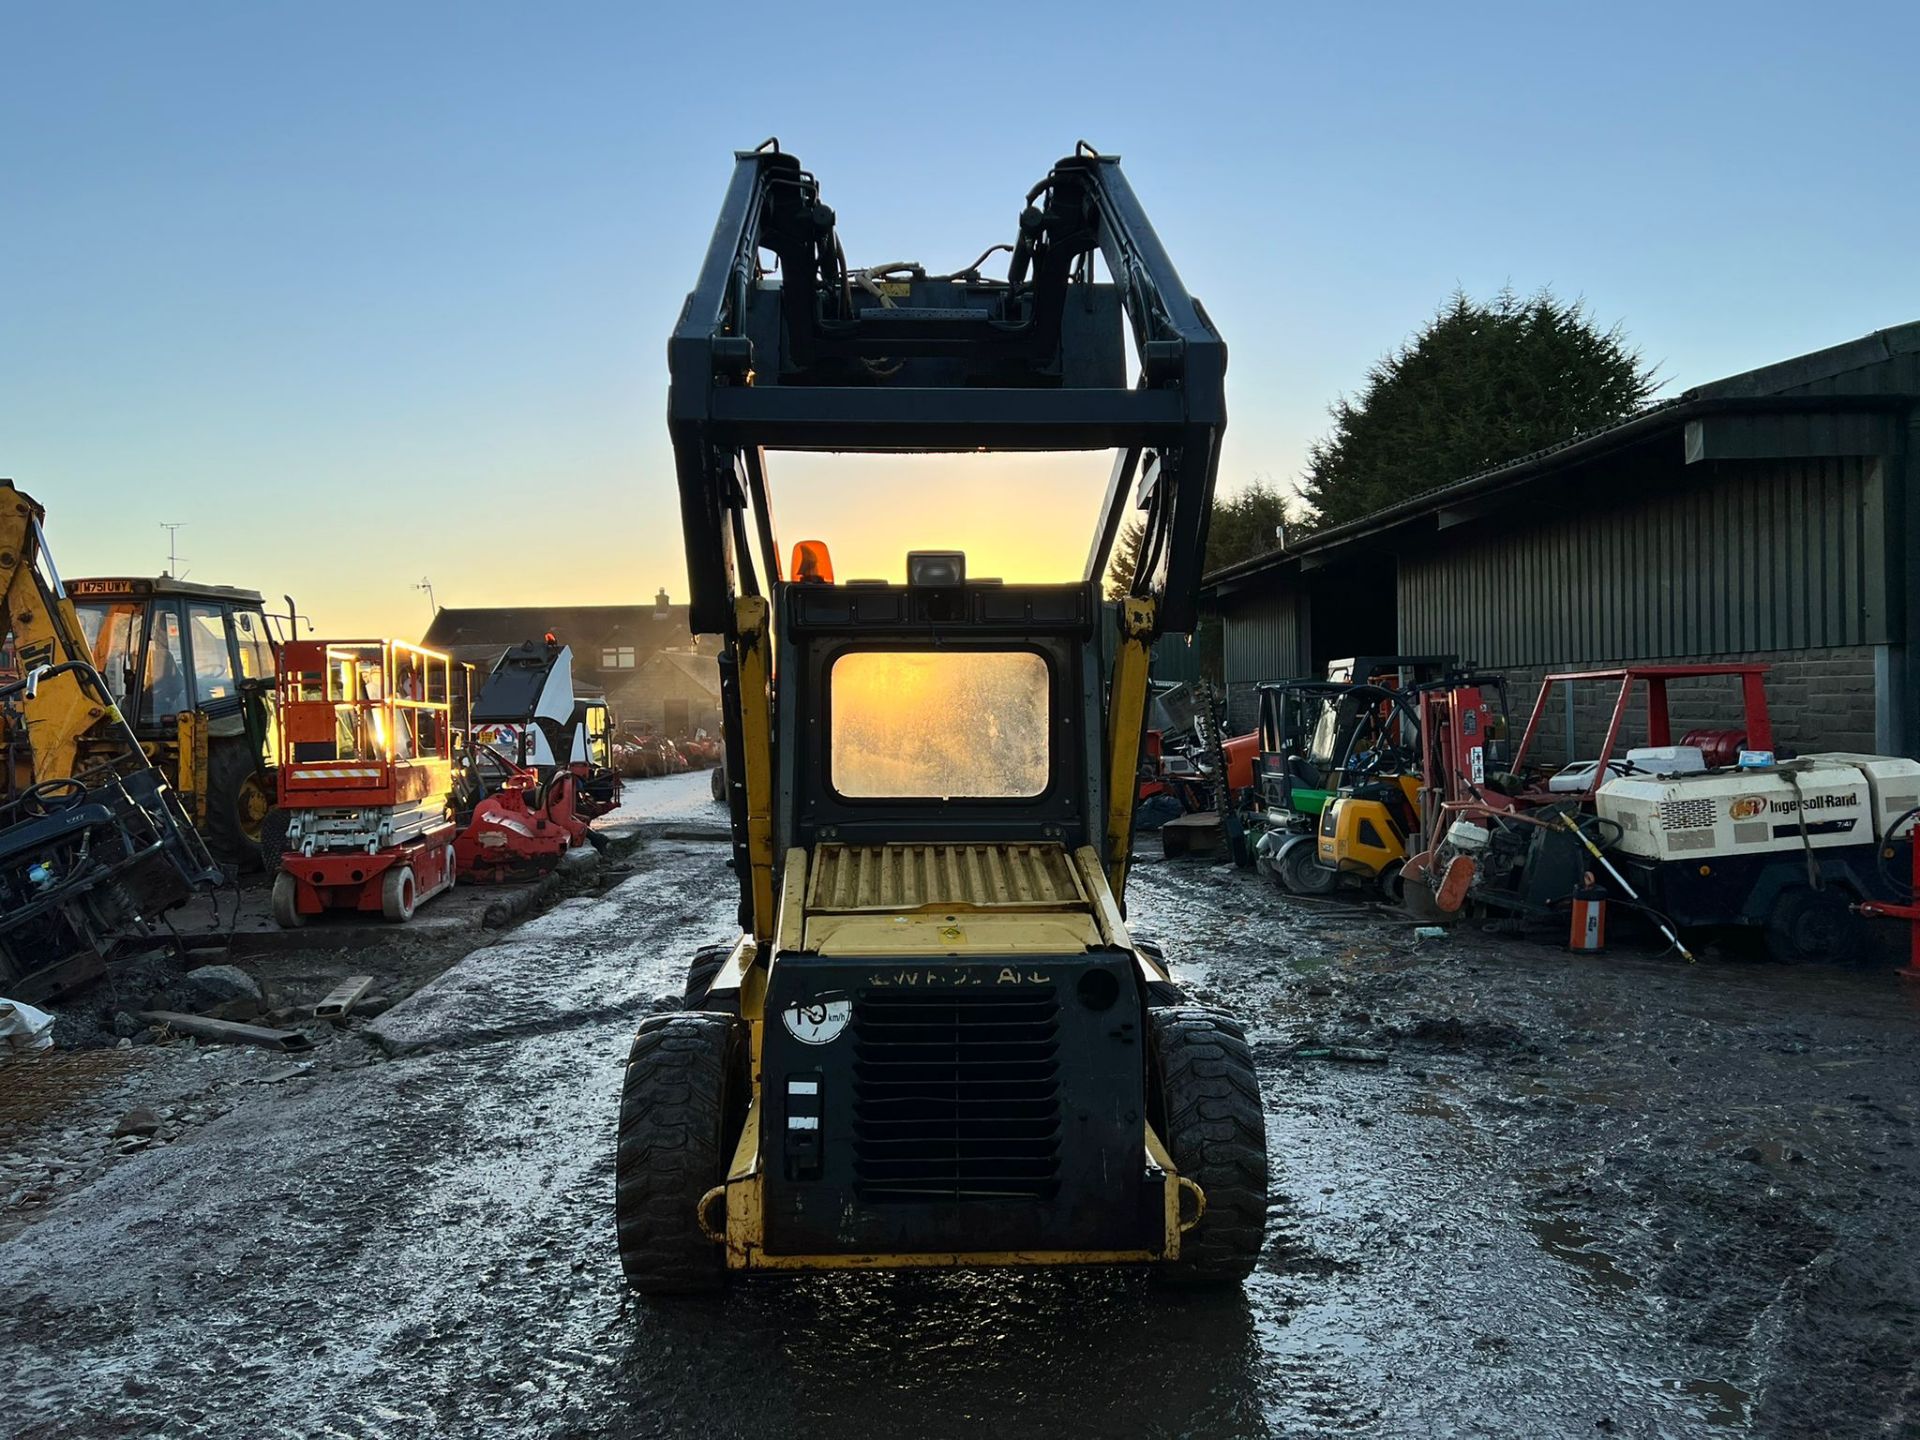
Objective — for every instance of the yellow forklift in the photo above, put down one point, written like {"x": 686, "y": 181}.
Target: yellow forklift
{"x": 937, "y": 1041}
{"x": 191, "y": 667}
{"x": 1381, "y": 815}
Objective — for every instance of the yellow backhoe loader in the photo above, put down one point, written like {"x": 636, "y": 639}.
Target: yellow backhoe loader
{"x": 94, "y": 845}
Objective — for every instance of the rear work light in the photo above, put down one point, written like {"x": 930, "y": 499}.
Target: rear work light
{"x": 936, "y": 569}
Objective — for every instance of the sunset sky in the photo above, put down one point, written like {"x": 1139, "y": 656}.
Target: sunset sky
{"x": 363, "y": 294}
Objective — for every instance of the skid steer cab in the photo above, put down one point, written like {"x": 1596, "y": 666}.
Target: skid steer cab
{"x": 937, "y": 1041}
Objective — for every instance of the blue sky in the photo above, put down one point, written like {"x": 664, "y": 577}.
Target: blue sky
{"x": 366, "y": 293}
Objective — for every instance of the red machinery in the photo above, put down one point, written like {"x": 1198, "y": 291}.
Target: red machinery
{"x": 1458, "y": 722}
{"x": 1905, "y": 906}
{"x": 365, "y": 776}
{"x": 543, "y": 762}
{"x": 1713, "y": 834}
{"x": 1719, "y": 747}
{"x": 522, "y": 827}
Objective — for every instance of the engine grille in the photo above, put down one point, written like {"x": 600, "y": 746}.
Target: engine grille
{"x": 1686, "y": 814}
{"x": 927, "y": 877}
{"x": 956, "y": 1095}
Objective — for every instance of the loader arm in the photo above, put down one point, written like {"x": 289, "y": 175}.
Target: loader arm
{"x": 46, "y": 632}
{"x": 828, "y": 358}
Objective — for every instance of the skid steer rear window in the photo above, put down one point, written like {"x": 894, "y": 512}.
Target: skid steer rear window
{"x": 938, "y": 724}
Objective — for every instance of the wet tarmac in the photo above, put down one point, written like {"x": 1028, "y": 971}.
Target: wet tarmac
{"x": 1614, "y": 1196}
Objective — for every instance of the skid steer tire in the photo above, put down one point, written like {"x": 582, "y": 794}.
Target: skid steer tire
{"x": 708, "y": 961}
{"x": 1205, "y": 1103}
{"x": 681, "y": 1108}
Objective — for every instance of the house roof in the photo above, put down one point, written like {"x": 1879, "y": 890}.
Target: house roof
{"x": 1869, "y": 372}
{"x": 585, "y": 627}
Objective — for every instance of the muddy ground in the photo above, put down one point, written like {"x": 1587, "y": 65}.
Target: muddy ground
{"x": 1548, "y": 1196}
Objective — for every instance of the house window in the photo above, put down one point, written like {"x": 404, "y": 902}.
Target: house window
{"x": 617, "y": 657}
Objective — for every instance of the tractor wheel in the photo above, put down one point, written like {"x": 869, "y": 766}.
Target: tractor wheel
{"x": 1298, "y": 869}
{"x": 1205, "y": 1101}
{"x": 1392, "y": 883}
{"x": 681, "y": 1109}
{"x": 718, "y": 784}
{"x": 398, "y": 894}
{"x": 273, "y": 839}
{"x": 286, "y": 902}
{"x": 1809, "y": 926}
{"x": 708, "y": 961}
{"x": 238, "y": 804}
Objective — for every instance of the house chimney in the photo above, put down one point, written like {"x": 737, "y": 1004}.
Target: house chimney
{"x": 661, "y": 602}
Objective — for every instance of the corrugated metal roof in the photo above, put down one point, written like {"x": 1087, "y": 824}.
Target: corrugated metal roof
{"x": 1873, "y": 369}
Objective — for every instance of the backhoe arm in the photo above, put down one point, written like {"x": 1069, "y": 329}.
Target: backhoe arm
{"x": 46, "y": 631}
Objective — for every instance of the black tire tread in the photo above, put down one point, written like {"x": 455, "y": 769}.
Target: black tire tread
{"x": 673, "y": 1123}
{"x": 1299, "y": 871}
{"x": 1848, "y": 940}
{"x": 229, "y": 763}
{"x": 1216, "y": 1132}
{"x": 273, "y": 839}
{"x": 708, "y": 961}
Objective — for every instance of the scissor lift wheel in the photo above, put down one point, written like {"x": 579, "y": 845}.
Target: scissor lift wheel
{"x": 286, "y": 902}
{"x": 398, "y": 894}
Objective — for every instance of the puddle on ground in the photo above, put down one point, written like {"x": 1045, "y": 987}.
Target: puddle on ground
{"x": 1567, "y": 1242}
{"x": 1721, "y": 1403}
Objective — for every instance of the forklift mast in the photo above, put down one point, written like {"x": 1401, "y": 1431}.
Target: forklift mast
{"x": 894, "y": 360}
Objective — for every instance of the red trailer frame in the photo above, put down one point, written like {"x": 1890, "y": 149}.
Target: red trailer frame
{"x": 1758, "y": 722}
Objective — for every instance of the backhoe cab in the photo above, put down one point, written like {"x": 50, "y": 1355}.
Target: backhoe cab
{"x": 191, "y": 667}
{"x": 937, "y": 1042}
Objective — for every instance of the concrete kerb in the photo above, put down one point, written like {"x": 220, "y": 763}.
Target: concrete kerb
{"x": 533, "y": 979}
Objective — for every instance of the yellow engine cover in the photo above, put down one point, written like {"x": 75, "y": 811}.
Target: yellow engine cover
{"x": 1359, "y": 835}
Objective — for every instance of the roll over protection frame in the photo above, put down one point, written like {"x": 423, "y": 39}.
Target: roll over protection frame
{"x": 898, "y": 361}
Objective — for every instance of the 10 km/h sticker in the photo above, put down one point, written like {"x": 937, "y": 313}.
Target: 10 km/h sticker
{"x": 818, "y": 1021}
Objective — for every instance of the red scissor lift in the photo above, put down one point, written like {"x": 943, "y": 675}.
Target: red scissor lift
{"x": 366, "y": 776}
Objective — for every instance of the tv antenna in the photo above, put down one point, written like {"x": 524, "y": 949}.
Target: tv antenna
{"x": 173, "y": 528}
{"x": 427, "y": 585}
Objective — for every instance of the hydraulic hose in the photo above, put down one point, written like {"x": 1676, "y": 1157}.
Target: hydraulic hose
{"x": 1883, "y": 852}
